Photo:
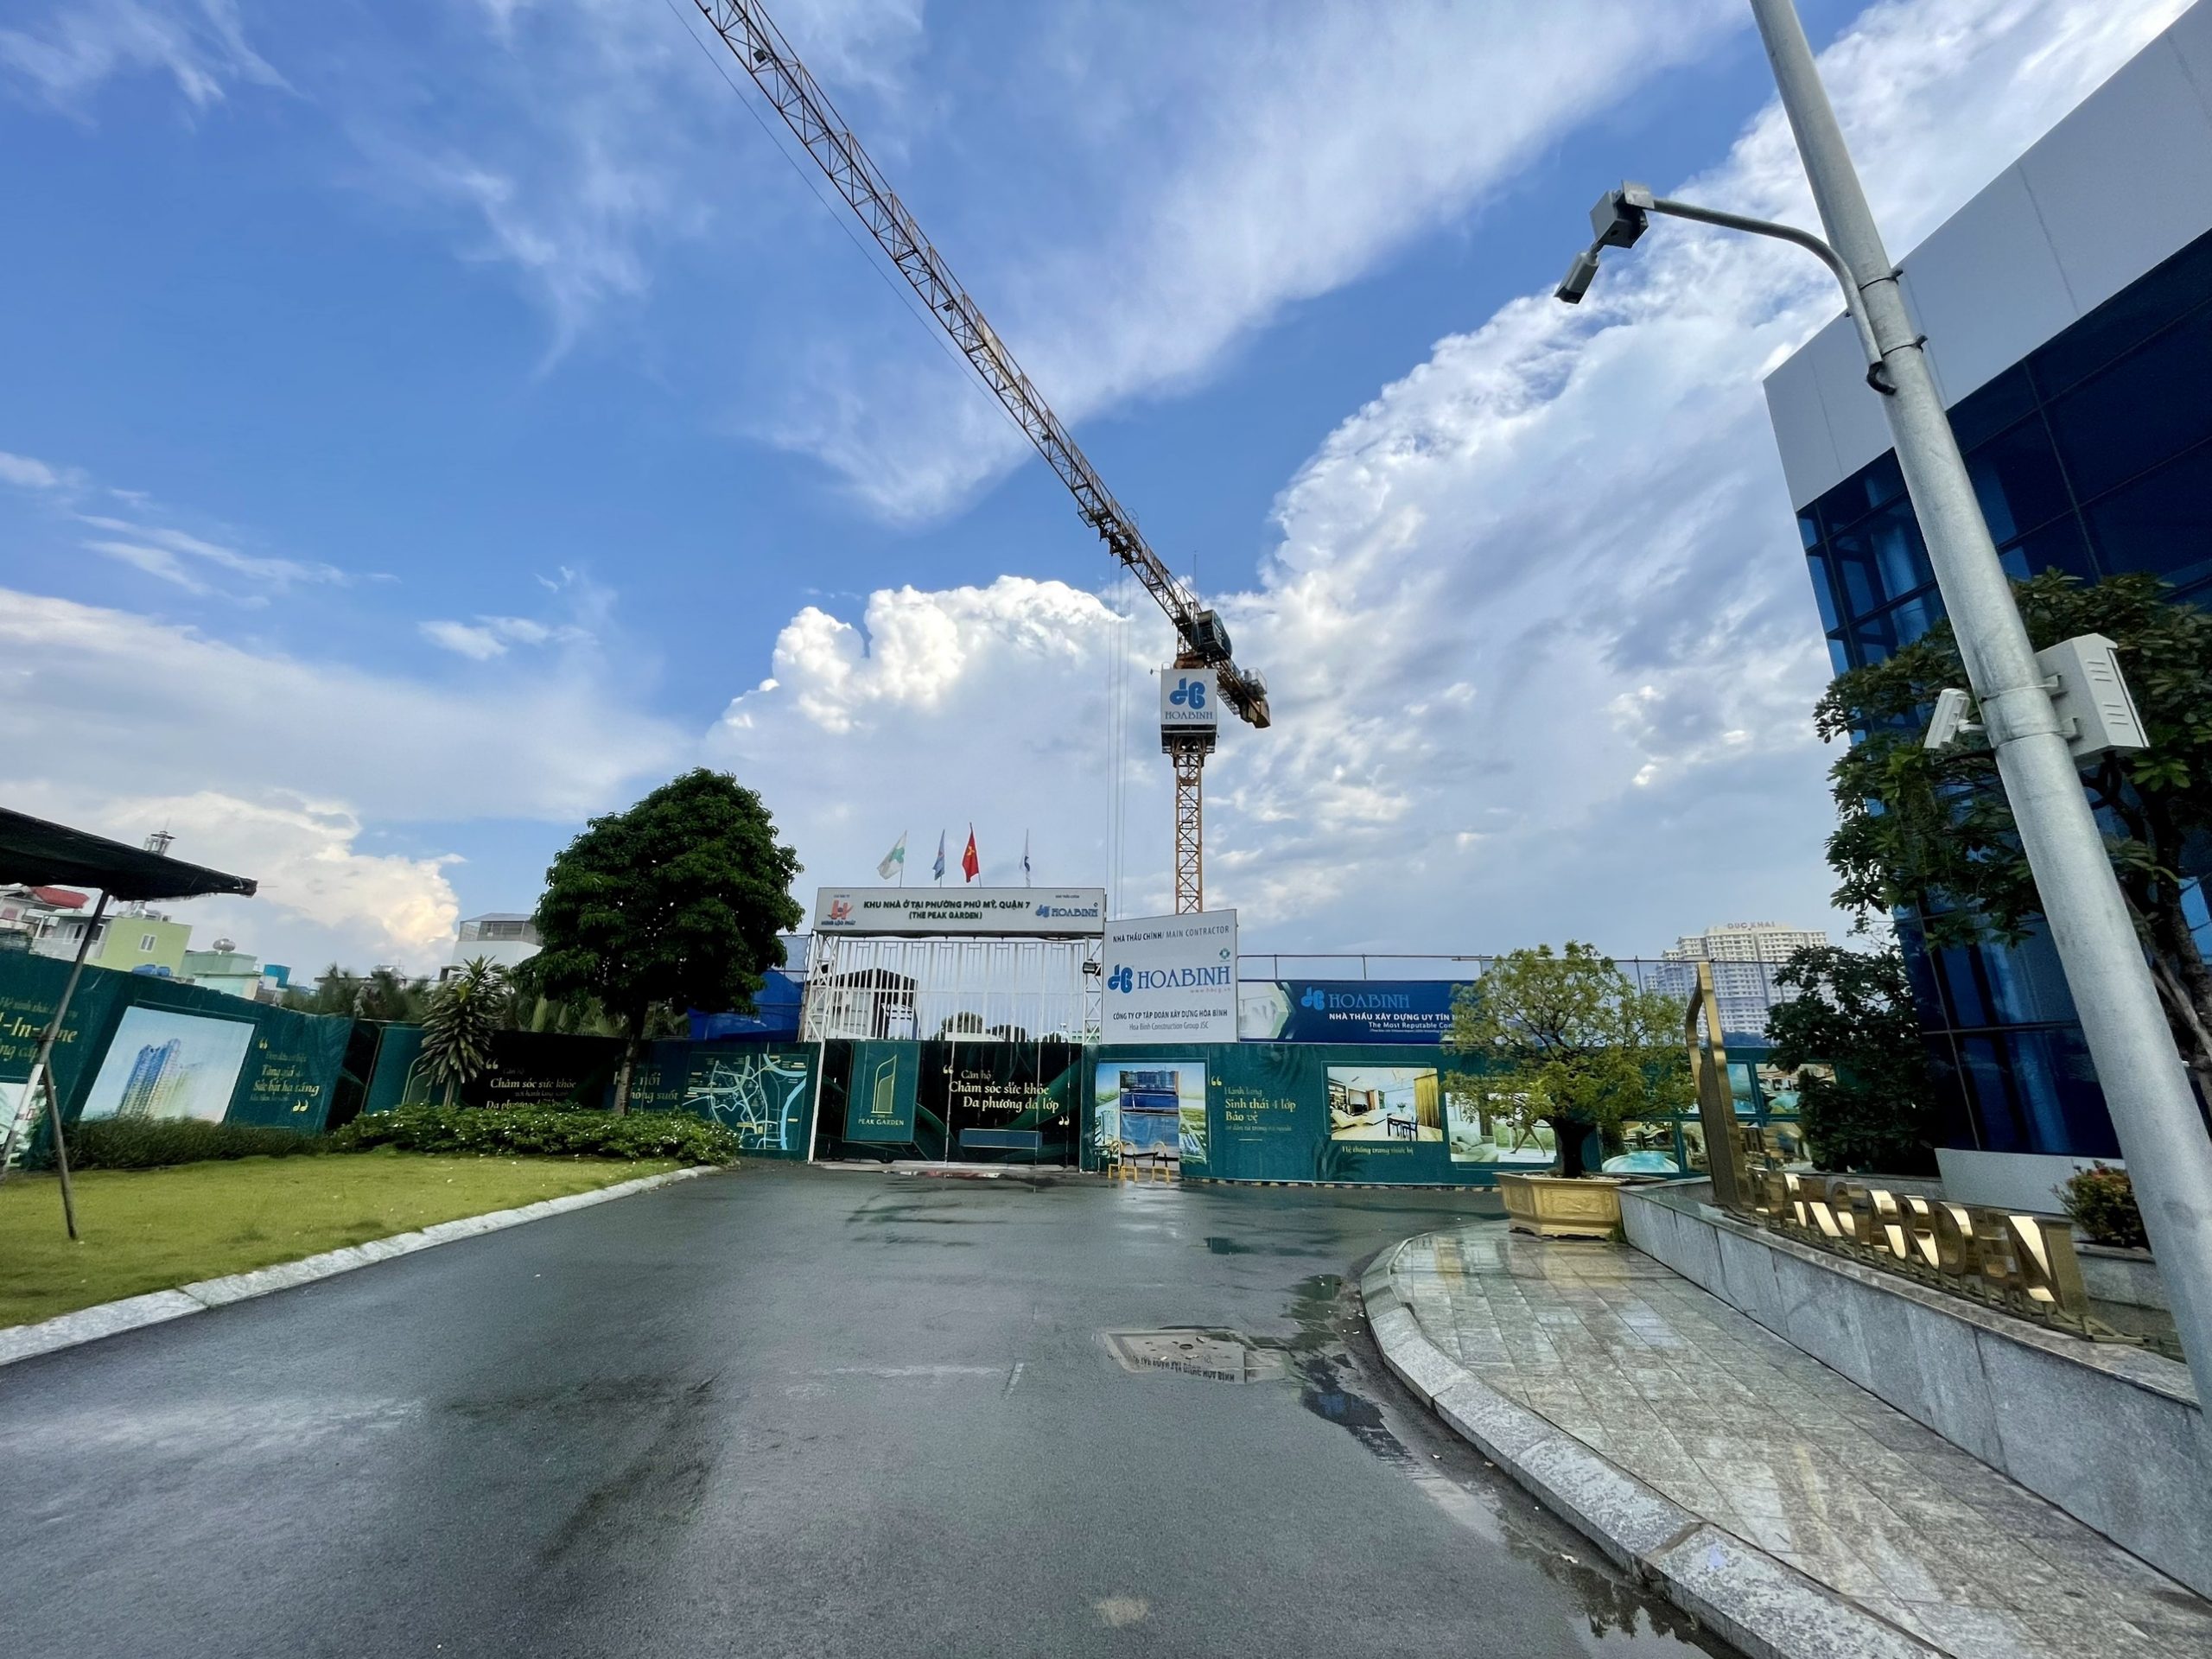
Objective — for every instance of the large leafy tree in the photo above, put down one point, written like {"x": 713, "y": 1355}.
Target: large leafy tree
{"x": 1852, "y": 1010}
{"x": 461, "y": 1013}
{"x": 1569, "y": 1040}
{"x": 1931, "y": 830}
{"x": 674, "y": 904}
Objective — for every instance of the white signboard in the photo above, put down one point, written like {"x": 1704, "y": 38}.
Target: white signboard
{"x": 1030, "y": 913}
{"x": 1190, "y": 702}
{"x": 1172, "y": 979}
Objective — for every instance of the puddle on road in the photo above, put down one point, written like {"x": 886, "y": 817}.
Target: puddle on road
{"x": 1332, "y": 1361}
{"x": 1221, "y": 1246}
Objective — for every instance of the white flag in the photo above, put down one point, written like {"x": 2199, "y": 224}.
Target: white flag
{"x": 895, "y": 861}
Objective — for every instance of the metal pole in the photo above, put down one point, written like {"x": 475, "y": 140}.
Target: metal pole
{"x": 2154, "y": 1111}
{"x": 42, "y": 1066}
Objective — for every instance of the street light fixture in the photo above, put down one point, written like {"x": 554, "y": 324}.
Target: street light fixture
{"x": 2154, "y": 1110}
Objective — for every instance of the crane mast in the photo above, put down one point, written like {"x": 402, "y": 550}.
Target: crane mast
{"x": 761, "y": 50}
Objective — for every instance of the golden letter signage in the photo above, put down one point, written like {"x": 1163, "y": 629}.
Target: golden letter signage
{"x": 2022, "y": 1263}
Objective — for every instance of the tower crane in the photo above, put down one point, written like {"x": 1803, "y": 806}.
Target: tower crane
{"x": 763, "y": 53}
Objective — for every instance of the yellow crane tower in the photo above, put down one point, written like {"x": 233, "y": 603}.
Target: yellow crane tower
{"x": 1204, "y": 665}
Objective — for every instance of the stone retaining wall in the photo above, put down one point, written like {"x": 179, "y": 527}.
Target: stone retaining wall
{"x": 2112, "y": 1435}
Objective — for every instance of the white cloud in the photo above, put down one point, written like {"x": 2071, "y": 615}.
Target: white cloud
{"x": 80, "y": 44}
{"x": 27, "y": 473}
{"x": 1541, "y": 644}
{"x": 1234, "y": 159}
{"x": 1540, "y": 636}
{"x": 488, "y": 637}
{"x": 174, "y": 555}
{"x": 969, "y": 704}
{"x": 321, "y": 898}
{"x": 283, "y": 761}
{"x": 474, "y": 641}
{"x": 154, "y": 560}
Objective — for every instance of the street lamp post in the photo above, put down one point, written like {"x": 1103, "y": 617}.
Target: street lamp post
{"x": 2154, "y": 1110}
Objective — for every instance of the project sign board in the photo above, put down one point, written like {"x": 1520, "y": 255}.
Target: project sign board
{"x": 1189, "y": 702}
{"x": 1171, "y": 979}
{"x": 919, "y": 912}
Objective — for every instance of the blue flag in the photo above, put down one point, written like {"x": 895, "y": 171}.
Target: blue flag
{"x": 937, "y": 869}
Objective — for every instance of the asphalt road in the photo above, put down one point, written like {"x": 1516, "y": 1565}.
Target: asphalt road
{"x": 791, "y": 1411}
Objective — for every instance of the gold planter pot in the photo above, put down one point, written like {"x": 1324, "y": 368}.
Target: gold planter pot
{"x": 1551, "y": 1206}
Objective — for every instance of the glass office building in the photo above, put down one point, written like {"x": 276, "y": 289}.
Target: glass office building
{"x": 2092, "y": 456}
{"x": 2069, "y": 311}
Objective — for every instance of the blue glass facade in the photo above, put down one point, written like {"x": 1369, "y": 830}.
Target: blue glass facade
{"x": 2094, "y": 455}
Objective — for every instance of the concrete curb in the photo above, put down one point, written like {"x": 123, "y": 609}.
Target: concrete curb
{"x": 106, "y": 1319}
{"x": 1762, "y": 1605}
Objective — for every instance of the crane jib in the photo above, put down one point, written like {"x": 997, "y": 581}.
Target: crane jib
{"x": 766, "y": 57}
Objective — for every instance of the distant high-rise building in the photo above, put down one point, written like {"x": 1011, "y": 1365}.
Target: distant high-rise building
{"x": 1744, "y": 955}
{"x": 506, "y": 939}
{"x": 156, "y": 1065}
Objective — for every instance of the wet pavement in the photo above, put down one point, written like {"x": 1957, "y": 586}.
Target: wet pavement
{"x": 1744, "y": 1430}
{"x": 796, "y": 1411}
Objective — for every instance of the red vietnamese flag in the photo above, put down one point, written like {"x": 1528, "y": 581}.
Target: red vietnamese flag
{"x": 970, "y": 866}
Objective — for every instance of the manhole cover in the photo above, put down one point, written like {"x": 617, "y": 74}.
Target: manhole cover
{"x": 1224, "y": 1356}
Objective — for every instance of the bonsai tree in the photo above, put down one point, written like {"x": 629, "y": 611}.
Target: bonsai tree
{"x": 458, "y": 1020}
{"x": 675, "y": 904}
{"x": 1931, "y": 831}
{"x": 1853, "y": 1009}
{"x": 1566, "y": 1038}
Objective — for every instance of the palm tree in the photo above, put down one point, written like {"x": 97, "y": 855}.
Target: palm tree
{"x": 458, "y": 1021}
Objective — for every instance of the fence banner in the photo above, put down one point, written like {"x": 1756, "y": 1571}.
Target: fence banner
{"x": 1306, "y": 1112}
{"x": 882, "y": 1096}
{"x": 1413, "y": 1011}
{"x": 141, "y": 1046}
{"x": 29, "y": 987}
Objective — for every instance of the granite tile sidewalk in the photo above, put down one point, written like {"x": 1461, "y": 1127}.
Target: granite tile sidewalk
{"x": 1742, "y": 1431}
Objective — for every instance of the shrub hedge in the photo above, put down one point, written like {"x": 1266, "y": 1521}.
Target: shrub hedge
{"x": 583, "y": 1134}
{"x": 157, "y": 1142}
{"x": 2101, "y": 1202}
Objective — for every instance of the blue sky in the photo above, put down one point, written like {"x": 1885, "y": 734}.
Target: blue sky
{"x": 428, "y": 424}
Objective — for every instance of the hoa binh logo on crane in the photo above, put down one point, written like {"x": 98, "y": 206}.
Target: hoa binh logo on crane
{"x": 1190, "y": 699}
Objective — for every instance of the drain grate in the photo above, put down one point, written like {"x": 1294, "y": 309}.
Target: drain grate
{"x": 1221, "y": 1356}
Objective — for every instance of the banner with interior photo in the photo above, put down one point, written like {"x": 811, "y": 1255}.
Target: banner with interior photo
{"x": 1304, "y": 1112}
{"x": 1370, "y": 1113}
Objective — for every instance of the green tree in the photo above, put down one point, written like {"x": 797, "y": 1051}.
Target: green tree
{"x": 1567, "y": 1039}
{"x": 675, "y": 904}
{"x": 1931, "y": 831}
{"x": 1852, "y": 1010}
{"x": 459, "y": 1018}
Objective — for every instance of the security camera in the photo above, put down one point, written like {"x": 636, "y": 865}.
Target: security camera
{"x": 1579, "y": 275}
{"x": 1948, "y": 720}
{"x": 1621, "y": 216}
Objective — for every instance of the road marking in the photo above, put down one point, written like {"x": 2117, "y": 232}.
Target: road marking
{"x": 909, "y": 1371}
{"x": 1119, "y": 1610}
{"x": 1013, "y": 1377}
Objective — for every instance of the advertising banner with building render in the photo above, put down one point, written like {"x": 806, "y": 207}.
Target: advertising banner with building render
{"x": 1171, "y": 979}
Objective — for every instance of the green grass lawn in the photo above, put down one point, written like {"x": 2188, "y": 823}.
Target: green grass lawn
{"x": 151, "y": 1229}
